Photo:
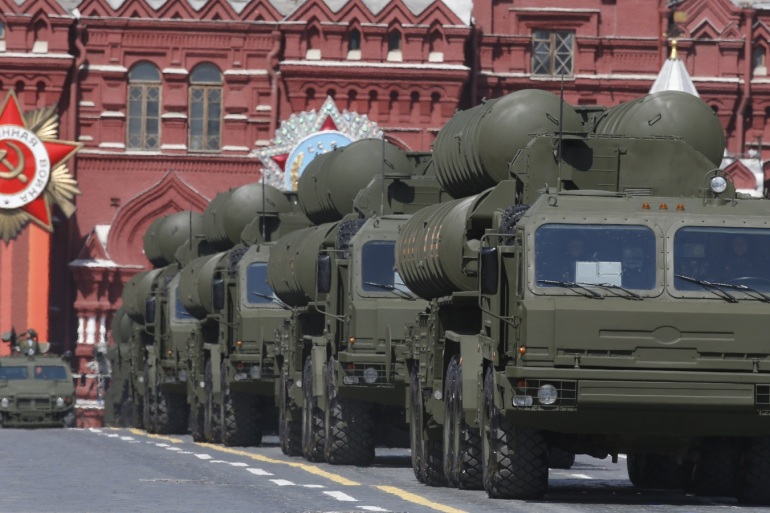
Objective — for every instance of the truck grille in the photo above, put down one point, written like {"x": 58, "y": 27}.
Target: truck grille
{"x": 763, "y": 396}
{"x": 567, "y": 390}
{"x": 33, "y": 403}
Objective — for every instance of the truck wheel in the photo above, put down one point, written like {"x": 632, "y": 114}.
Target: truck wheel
{"x": 561, "y": 459}
{"x": 312, "y": 418}
{"x": 289, "y": 431}
{"x": 755, "y": 472}
{"x": 172, "y": 417}
{"x": 427, "y": 455}
{"x": 241, "y": 426}
{"x": 137, "y": 403}
{"x": 148, "y": 414}
{"x": 196, "y": 422}
{"x": 212, "y": 419}
{"x": 515, "y": 458}
{"x": 654, "y": 471}
{"x": 462, "y": 444}
{"x": 349, "y": 427}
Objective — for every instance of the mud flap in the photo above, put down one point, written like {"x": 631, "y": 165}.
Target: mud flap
{"x": 318, "y": 356}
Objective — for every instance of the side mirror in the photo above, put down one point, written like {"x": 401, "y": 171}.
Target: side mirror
{"x": 489, "y": 271}
{"x": 149, "y": 310}
{"x": 218, "y": 294}
{"x": 324, "y": 274}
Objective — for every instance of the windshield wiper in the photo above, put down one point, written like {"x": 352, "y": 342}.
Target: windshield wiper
{"x": 272, "y": 299}
{"x": 745, "y": 288}
{"x": 716, "y": 288}
{"x": 577, "y": 287}
{"x": 401, "y": 293}
{"x": 633, "y": 296}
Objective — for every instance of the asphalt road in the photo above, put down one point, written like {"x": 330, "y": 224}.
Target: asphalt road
{"x": 126, "y": 470}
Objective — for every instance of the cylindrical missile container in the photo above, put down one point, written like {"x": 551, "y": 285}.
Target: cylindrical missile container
{"x": 135, "y": 294}
{"x": 196, "y": 284}
{"x": 121, "y": 326}
{"x": 165, "y": 235}
{"x": 293, "y": 261}
{"x": 668, "y": 113}
{"x": 430, "y": 248}
{"x": 332, "y": 181}
{"x": 249, "y": 202}
{"x": 473, "y": 150}
{"x": 214, "y": 221}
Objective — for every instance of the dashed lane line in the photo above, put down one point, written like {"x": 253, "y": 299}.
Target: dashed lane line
{"x": 340, "y": 496}
{"x": 203, "y": 456}
{"x": 371, "y": 508}
{"x": 282, "y": 482}
{"x": 259, "y": 472}
{"x": 422, "y": 501}
{"x": 156, "y": 437}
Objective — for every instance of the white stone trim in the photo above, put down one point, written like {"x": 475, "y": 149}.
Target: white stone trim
{"x": 173, "y": 115}
{"x": 113, "y": 145}
{"x": 105, "y": 68}
{"x": 236, "y": 117}
{"x": 246, "y": 72}
{"x": 235, "y": 148}
{"x": 113, "y": 114}
{"x": 173, "y": 146}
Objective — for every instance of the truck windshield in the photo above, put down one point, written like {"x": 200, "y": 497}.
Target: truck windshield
{"x": 258, "y": 290}
{"x": 587, "y": 254}
{"x": 722, "y": 255}
{"x": 50, "y": 372}
{"x": 13, "y": 373}
{"x": 378, "y": 267}
{"x": 180, "y": 311}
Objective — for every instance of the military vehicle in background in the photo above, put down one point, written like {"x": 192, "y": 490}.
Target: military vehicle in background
{"x": 36, "y": 390}
{"x": 232, "y": 358}
{"x": 118, "y": 410}
{"x": 342, "y": 385}
{"x": 586, "y": 322}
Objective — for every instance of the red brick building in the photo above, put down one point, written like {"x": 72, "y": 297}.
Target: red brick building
{"x": 173, "y": 100}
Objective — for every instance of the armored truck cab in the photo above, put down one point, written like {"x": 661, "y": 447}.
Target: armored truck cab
{"x": 630, "y": 325}
{"x": 36, "y": 391}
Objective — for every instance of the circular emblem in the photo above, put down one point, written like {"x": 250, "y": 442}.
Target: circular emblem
{"x": 25, "y": 167}
{"x": 309, "y": 148}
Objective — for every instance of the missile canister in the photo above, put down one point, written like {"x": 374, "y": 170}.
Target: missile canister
{"x": 135, "y": 294}
{"x": 293, "y": 261}
{"x": 430, "y": 248}
{"x": 214, "y": 221}
{"x": 331, "y": 181}
{"x": 250, "y": 201}
{"x": 121, "y": 326}
{"x": 668, "y": 113}
{"x": 165, "y": 235}
{"x": 473, "y": 150}
{"x": 196, "y": 285}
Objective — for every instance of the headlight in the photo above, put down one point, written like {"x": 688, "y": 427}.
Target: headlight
{"x": 255, "y": 372}
{"x": 522, "y": 401}
{"x": 718, "y": 184}
{"x": 182, "y": 375}
{"x": 371, "y": 375}
{"x": 350, "y": 380}
{"x": 59, "y": 402}
{"x": 547, "y": 394}
{"x": 4, "y": 402}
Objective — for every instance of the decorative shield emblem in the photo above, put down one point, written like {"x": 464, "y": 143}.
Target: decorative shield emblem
{"x": 33, "y": 174}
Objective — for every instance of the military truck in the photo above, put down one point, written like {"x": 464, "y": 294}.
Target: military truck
{"x": 232, "y": 357}
{"x": 342, "y": 385}
{"x": 36, "y": 391}
{"x": 118, "y": 410}
{"x": 517, "y": 356}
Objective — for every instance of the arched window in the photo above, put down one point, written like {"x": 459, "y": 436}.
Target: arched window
{"x": 394, "y": 45}
{"x": 205, "y": 108}
{"x": 354, "y": 45}
{"x": 143, "y": 107}
{"x": 758, "y": 57}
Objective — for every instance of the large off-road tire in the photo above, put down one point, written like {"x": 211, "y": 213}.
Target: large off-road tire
{"x": 515, "y": 458}
{"x": 212, "y": 418}
{"x": 241, "y": 426}
{"x": 137, "y": 404}
{"x": 427, "y": 455}
{"x": 462, "y": 444}
{"x": 289, "y": 431}
{"x": 149, "y": 413}
{"x": 654, "y": 471}
{"x": 196, "y": 422}
{"x": 754, "y": 485}
{"x": 349, "y": 427}
{"x": 171, "y": 413}
{"x": 561, "y": 459}
{"x": 312, "y": 418}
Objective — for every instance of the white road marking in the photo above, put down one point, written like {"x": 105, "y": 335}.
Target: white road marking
{"x": 239, "y": 464}
{"x": 94, "y": 430}
{"x": 217, "y": 461}
{"x": 371, "y": 508}
{"x": 341, "y": 496}
{"x": 581, "y": 476}
{"x": 282, "y": 482}
{"x": 259, "y": 472}
{"x": 185, "y": 452}
{"x": 203, "y": 456}
{"x": 113, "y": 436}
{"x": 173, "y": 449}
{"x": 161, "y": 445}
{"x": 313, "y": 486}
{"x": 126, "y": 438}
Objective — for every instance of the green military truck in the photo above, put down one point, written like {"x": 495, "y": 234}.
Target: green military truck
{"x": 36, "y": 391}
{"x": 517, "y": 357}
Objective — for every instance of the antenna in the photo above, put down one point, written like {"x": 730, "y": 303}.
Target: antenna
{"x": 264, "y": 221}
{"x": 561, "y": 128}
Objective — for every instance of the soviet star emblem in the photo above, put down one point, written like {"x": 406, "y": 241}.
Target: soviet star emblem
{"x": 33, "y": 175}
